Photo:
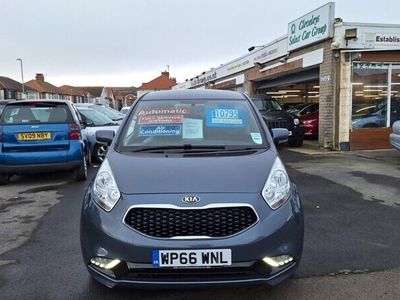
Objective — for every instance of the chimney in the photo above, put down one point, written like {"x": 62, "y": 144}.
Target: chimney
{"x": 165, "y": 73}
{"x": 40, "y": 77}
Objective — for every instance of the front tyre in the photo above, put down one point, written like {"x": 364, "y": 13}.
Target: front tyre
{"x": 81, "y": 171}
{"x": 295, "y": 142}
{"x": 100, "y": 152}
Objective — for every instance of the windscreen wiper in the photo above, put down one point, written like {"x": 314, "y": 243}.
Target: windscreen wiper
{"x": 189, "y": 148}
{"x": 182, "y": 148}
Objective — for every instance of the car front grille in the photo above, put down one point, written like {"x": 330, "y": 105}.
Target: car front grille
{"x": 215, "y": 222}
{"x": 200, "y": 274}
{"x": 278, "y": 124}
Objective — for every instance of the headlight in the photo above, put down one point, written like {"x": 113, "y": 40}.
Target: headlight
{"x": 105, "y": 190}
{"x": 296, "y": 121}
{"x": 276, "y": 190}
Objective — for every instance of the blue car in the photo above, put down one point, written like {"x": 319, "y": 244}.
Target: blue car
{"x": 192, "y": 192}
{"x": 40, "y": 135}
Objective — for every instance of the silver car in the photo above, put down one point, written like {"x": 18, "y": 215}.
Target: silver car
{"x": 94, "y": 121}
{"x": 395, "y": 136}
{"x": 111, "y": 113}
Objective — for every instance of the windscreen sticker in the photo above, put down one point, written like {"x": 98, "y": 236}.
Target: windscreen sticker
{"x": 226, "y": 117}
{"x": 256, "y": 137}
{"x": 160, "y": 130}
{"x": 192, "y": 129}
{"x": 162, "y": 119}
{"x": 164, "y": 111}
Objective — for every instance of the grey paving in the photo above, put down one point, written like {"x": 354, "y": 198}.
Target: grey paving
{"x": 351, "y": 247}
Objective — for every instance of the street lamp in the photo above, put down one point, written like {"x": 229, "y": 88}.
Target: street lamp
{"x": 22, "y": 75}
{"x": 254, "y": 47}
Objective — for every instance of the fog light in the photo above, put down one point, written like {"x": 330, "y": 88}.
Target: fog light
{"x": 108, "y": 266}
{"x": 105, "y": 263}
{"x": 278, "y": 261}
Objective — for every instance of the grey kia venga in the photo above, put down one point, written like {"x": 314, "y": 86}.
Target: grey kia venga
{"x": 192, "y": 192}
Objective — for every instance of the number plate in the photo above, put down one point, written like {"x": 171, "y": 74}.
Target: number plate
{"x": 192, "y": 258}
{"x": 34, "y": 136}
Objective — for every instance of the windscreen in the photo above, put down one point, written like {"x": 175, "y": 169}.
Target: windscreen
{"x": 36, "y": 113}
{"x": 158, "y": 123}
{"x": 95, "y": 118}
{"x": 112, "y": 114}
{"x": 266, "y": 105}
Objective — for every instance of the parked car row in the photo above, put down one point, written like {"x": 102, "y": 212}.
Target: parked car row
{"x": 51, "y": 135}
{"x": 275, "y": 117}
{"x": 3, "y": 104}
{"x": 113, "y": 114}
{"x": 94, "y": 121}
{"x": 376, "y": 115}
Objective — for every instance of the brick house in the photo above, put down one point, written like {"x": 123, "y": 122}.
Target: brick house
{"x": 98, "y": 94}
{"x": 38, "y": 88}
{"x": 12, "y": 89}
{"x": 162, "y": 82}
{"x": 124, "y": 96}
{"x": 77, "y": 95}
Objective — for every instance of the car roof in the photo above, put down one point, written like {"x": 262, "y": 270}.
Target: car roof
{"x": 40, "y": 101}
{"x": 88, "y": 104}
{"x": 85, "y": 108}
{"x": 7, "y": 100}
{"x": 193, "y": 94}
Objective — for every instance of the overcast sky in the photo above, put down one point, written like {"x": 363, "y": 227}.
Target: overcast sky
{"x": 126, "y": 42}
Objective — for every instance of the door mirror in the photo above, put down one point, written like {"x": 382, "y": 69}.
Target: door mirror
{"x": 280, "y": 134}
{"x": 105, "y": 136}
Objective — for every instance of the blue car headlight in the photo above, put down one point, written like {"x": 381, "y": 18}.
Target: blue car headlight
{"x": 276, "y": 190}
{"x": 105, "y": 189}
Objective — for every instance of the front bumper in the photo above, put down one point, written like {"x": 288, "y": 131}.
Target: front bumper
{"x": 276, "y": 233}
{"x": 270, "y": 280}
{"x": 34, "y": 168}
{"x": 297, "y": 133}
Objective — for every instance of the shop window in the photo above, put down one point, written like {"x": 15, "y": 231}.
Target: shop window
{"x": 395, "y": 95}
{"x": 370, "y": 95}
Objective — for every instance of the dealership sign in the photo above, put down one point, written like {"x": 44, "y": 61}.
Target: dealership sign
{"x": 263, "y": 54}
{"x": 382, "y": 39}
{"x": 312, "y": 27}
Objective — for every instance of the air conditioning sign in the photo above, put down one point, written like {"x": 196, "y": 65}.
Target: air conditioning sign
{"x": 312, "y": 27}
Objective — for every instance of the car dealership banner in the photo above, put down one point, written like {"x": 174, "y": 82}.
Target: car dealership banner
{"x": 261, "y": 54}
{"x": 312, "y": 27}
{"x": 385, "y": 39}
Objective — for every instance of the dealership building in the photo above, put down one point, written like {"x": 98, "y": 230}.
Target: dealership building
{"x": 351, "y": 69}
